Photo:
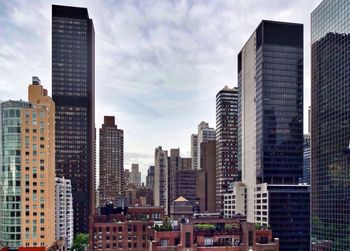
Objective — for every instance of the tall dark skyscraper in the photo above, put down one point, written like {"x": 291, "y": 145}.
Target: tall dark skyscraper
{"x": 111, "y": 162}
{"x": 330, "y": 125}
{"x": 226, "y": 142}
{"x": 270, "y": 151}
{"x": 73, "y": 91}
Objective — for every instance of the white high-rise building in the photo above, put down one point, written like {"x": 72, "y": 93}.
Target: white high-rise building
{"x": 64, "y": 211}
{"x": 235, "y": 200}
{"x": 160, "y": 188}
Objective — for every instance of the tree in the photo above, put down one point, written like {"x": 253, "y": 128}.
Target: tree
{"x": 80, "y": 242}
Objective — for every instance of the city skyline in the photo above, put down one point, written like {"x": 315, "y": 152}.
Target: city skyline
{"x": 148, "y": 61}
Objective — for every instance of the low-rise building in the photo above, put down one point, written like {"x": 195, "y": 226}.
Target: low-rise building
{"x": 235, "y": 200}
{"x": 214, "y": 233}
{"x": 123, "y": 228}
{"x": 181, "y": 208}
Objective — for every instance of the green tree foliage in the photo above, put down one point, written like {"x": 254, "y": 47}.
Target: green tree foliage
{"x": 80, "y": 242}
{"x": 205, "y": 226}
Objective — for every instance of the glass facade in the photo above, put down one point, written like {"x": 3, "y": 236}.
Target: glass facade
{"x": 73, "y": 93}
{"x": 330, "y": 125}
{"x": 226, "y": 142}
{"x": 270, "y": 82}
{"x": 289, "y": 209}
{"x": 10, "y": 172}
{"x": 306, "y": 159}
{"x": 279, "y": 103}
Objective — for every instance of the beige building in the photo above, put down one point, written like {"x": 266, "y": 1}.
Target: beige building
{"x": 27, "y": 163}
{"x": 38, "y": 168}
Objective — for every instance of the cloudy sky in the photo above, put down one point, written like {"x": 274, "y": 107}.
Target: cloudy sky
{"x": 159, "y": 64}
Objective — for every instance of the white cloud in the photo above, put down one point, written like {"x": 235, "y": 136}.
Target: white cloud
{"x": 159, "y": 64}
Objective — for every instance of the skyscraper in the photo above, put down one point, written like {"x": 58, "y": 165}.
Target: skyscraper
{"x": 150, "y": 177}
{"x": 111, "y": 162}
{"x": 174, "y": 165}
{"x": 160, "y": 188}
{"x": 330, "y": 130}
{"x": 73, "y": 90}
{"x": 205, "y": 133}
{"x": 206, "y": 177}
{"x": 126, "y": 177}
{"x": 226, "y": 142}
{"x": 135, "y": 175}
{"x": 270, "y": 81}
{"x": 27, "y": 170}
{"x": 194, "y": 149}
{"x": 64, "y": 211}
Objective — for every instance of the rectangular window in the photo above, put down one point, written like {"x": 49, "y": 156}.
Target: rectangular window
{"x": 188, "y": 239}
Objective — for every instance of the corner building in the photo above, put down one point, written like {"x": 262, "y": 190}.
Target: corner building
{"x": 27, "y": 170}
{"x": 73, "y": 90}
{"x": 330, "y": 125}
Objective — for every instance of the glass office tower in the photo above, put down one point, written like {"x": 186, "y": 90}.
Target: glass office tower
{"x": 270, "y": 136}
{"x": 73, "y": 91}
{"x": 330, "y": 125}
{"x": 10, "y": 172}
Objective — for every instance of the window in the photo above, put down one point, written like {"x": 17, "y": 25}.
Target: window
{"x": 164, "y": 243}
{"x": 208, "y": 241}
{"x": 188, "y": 239}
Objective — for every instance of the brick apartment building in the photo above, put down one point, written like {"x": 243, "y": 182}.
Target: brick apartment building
{"x": 123, "y": 229}
{"x": 204, "y": 234}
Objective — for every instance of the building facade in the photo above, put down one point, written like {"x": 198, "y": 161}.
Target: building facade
{"x": 204, "y": 234}
{"x": 330, "y": 133}
{"x": 150, "y": 177}
{"x": 226, "y": 142}
{"x": 174, "y": 165}
{"x": 306, "y": 159}
{"x": 73, "y": 91}
{"x": 135, "y": 175}
{"x": 160, "y": 188}
{"x": 186, "y": 163}
{"x": 235, "y": 201}
{"x": 27, "y": 170}
{"x": 205, "y": 133}
{"x": 123, "y": 229}
{"x": 270, "y": 149}
{"x": 187, "y": 184}
{"x": 194, "y": 149}
{"x": 206, "y": 177}
{"x": 64, "y": 211}
{"x": 111, "y": 162}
